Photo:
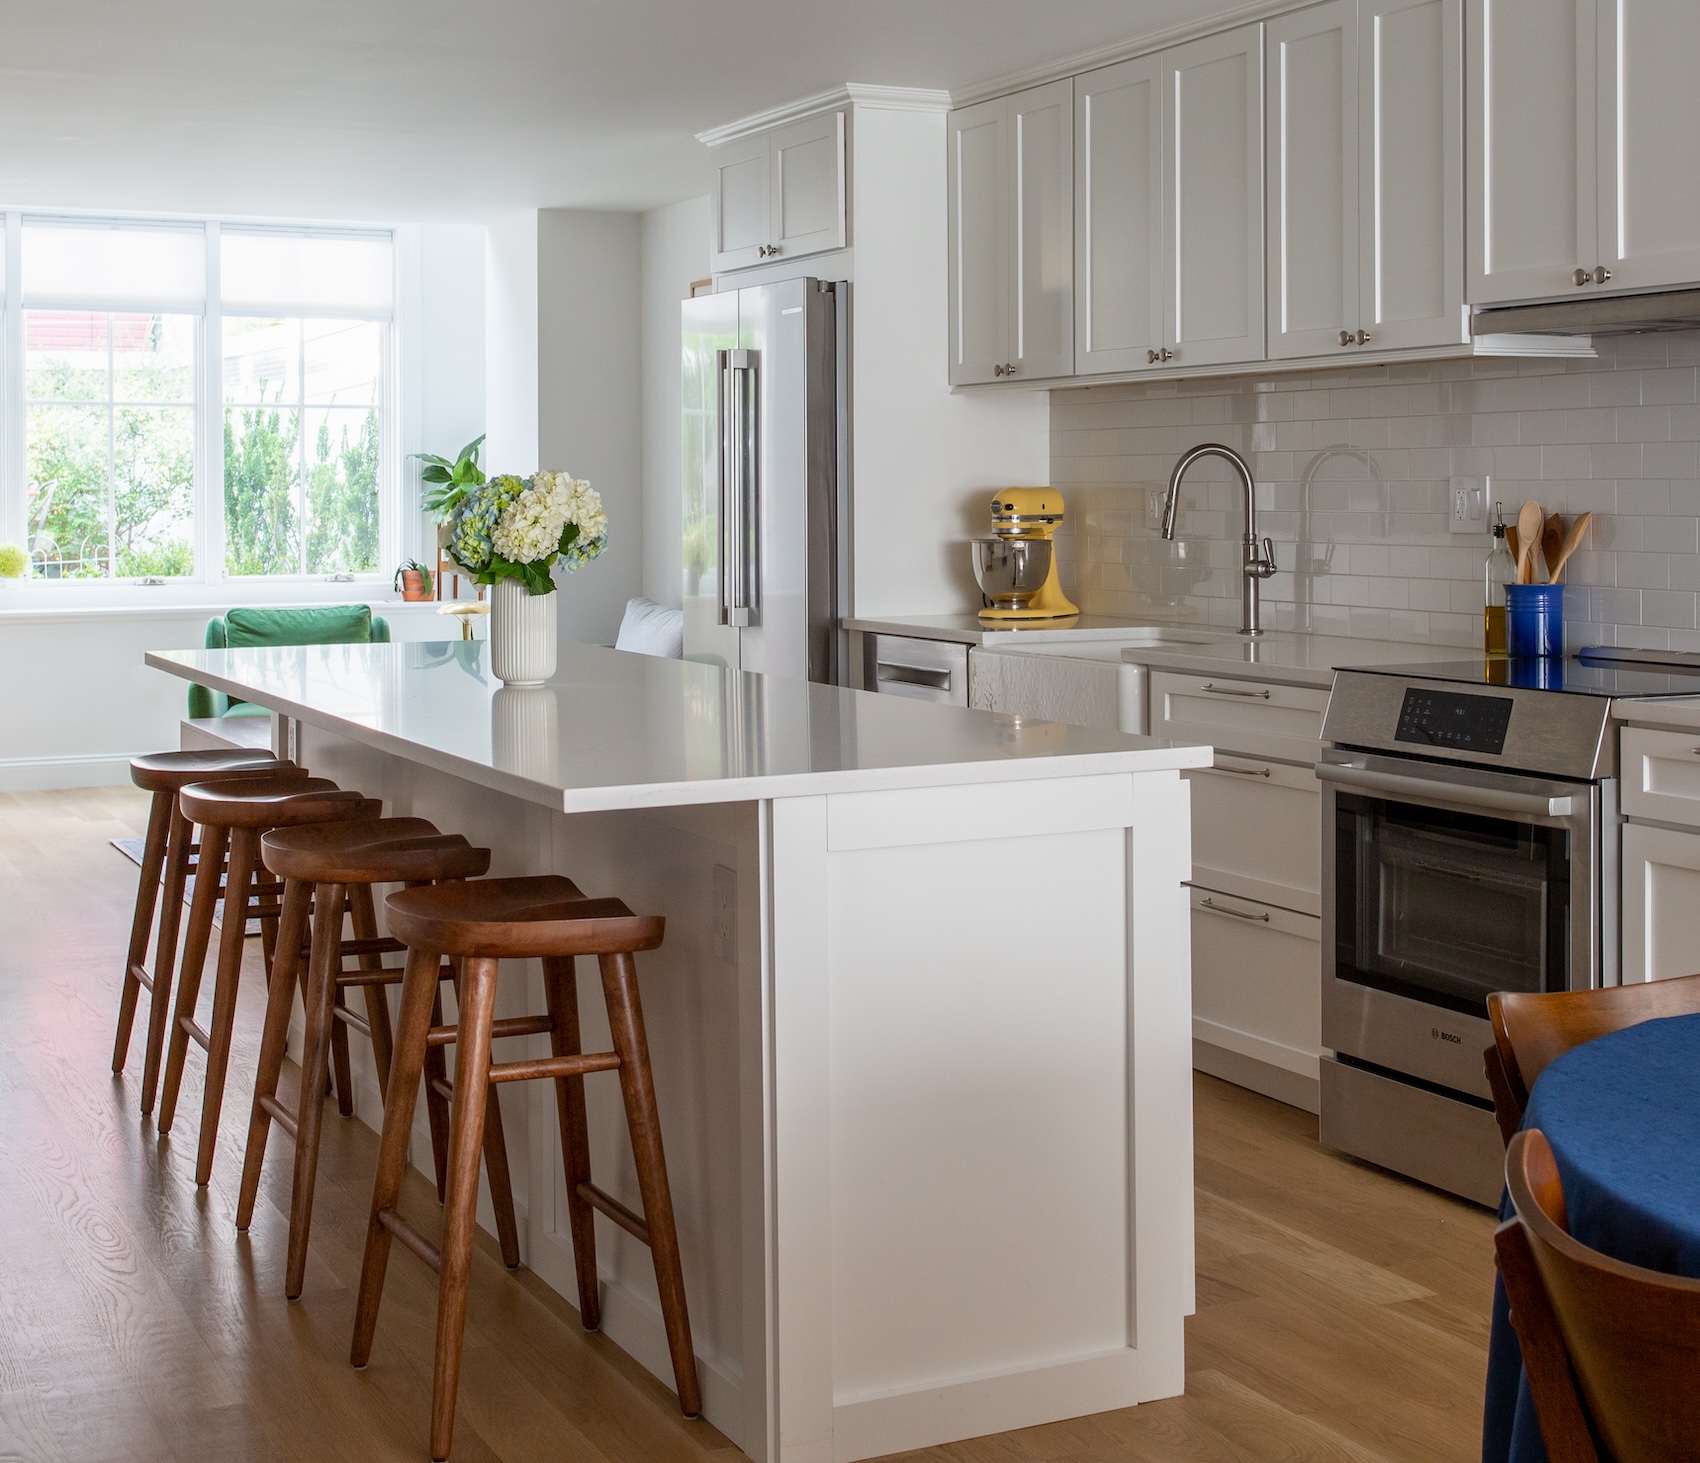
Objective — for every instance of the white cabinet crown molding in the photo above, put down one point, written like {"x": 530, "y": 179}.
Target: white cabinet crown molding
{"x": 900, "y": 98}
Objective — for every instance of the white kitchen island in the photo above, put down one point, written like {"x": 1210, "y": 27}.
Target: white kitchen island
{"x": 920, "y": 1025}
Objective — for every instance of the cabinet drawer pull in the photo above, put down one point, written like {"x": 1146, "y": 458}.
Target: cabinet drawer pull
{"x": 1211, "y": 904}
{"x": 1256, "y": 771}
{"x": 912, "y": 675}
{"x": 1229, "y": 691}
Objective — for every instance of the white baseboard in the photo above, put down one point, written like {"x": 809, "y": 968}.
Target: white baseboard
{"x": 41, "y": 774}
{"x": 1272, "y": 1080}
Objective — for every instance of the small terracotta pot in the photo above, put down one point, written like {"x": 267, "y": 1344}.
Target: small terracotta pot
{"x": 413, "y": 585}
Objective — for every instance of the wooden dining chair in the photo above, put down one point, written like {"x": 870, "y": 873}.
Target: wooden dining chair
{"x": 1611, "y": 1350}
{"x": 1530, "y": 1031}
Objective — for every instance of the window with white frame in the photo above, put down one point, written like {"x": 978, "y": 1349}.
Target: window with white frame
{"x": 197, "y": 402}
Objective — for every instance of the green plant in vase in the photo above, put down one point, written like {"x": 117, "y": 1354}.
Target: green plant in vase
{"x": 450, "y": 482}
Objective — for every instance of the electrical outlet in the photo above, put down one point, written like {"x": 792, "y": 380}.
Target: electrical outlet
{"x": 1154, "y": 508}
{"x": 726, "y": 914}
{"x": 1467, "y": 505}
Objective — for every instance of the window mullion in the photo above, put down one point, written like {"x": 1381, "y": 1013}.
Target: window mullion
{"x": 111, "y": 450}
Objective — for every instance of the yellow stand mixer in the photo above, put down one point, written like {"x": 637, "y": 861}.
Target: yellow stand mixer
{"x": 1016, "y": 568}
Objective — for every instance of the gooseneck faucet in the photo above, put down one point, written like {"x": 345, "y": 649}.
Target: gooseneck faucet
{"x": 1255, "y": 565}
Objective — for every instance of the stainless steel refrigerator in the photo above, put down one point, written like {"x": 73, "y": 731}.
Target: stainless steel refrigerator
{"x": 766, "y": 559}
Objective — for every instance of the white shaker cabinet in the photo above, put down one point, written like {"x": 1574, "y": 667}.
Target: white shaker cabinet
{"x": 1119, "y": 252}
{"x": 781, "y": 193}
{"x": 1213, "y": 198}
{"x": 1365, "y": 146}
{"x": 1011, "y": 222}
{"x": 1661, "y": 903}
{"x": 1584, "y": 177}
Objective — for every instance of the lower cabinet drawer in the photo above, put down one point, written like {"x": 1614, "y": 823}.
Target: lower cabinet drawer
{"x": 1257, "y": 995}
{"x": 1661, "y": 775}
{"x": 1262, "y": 718}
{"x": 1256, "y": 831}
{"x": 923, "y": 670}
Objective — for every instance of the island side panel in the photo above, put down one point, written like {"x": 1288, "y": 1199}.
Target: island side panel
{"x": 964, "y": 1218}
{"x": 702, "y": 996}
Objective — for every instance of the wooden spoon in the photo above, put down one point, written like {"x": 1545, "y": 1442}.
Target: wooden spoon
{"x": 1552, "y": 540}
{"x": 1512, "y": 543}
{"x": 1529, "y": 523}
{"x": 1572, "y": 542}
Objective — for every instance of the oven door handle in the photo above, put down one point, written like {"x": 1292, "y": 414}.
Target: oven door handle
{"x": 1423, "y": 789}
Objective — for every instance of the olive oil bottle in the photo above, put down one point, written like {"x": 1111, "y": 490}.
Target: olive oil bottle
{"x": 1499, "y": 571}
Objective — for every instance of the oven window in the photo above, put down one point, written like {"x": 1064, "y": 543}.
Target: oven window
{"x": 1449, "y": 907}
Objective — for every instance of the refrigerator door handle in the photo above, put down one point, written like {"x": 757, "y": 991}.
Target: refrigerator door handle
{"x": 742, "y": 598}
{"x": 725, "y": 470}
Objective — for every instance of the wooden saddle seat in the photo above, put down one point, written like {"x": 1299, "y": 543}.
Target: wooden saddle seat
{"x": 233, "y": 814}
{"x": 327, "y": 869}
{"x": 482, "y": 922}
{"x": 169, "y": 849}
{"x": 1611, "y": 1349}
{"x": 1531, "y": 1031}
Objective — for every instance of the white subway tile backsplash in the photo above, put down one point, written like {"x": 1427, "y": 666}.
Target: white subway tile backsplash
{"x": 1353, "y": 469}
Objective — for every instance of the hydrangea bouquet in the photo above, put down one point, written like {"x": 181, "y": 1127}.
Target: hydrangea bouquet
{"x": 526, "y": 528}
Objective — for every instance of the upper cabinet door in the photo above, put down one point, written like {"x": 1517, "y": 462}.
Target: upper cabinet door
{"x": 1041, "y": 136}
{"x": 1311, "y": 143}
{"x": 1118, "y": 217}
{"x": 1531, "y": 120}
{"x": 1213, "y": 151}
{"x": 809, "y": 191}
{"x": 1649, "y": 127}
{"x": 1411, "y": 131}
{"x": 741, "y": 203}
{"x": 978, "y": 211}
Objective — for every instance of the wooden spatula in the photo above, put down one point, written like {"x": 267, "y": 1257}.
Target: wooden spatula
{"x": 1530, "y": 520}
{"x": 1512, "y": 544}
{"x": 1572, "y": 542}
{"x": 1552, "y": 540}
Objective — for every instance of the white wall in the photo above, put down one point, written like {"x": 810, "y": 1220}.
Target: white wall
{"x": 924, "y": 461}
{"x": 510, "y": 345}
{"x": 675, "y": 253}
{"x": 590, "y": 397}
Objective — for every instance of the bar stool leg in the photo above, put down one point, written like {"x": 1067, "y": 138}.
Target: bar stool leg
{"x": 165, "y": 951}
{"x": 377, "y": 1000}
{"x": 637, "y": 1086}
{"x": 466, "y": 1139}
{"x": 436, "y": 1105}
{"x": 244, "y": 849}
{"x": 309, "y": 1120}
{"x": 418, "y": 993}
{"x": 213, "y": 843}
{"x": 292, "y": 923}
{"x": 141, "y": 925}
{"x": 560, "y": 989}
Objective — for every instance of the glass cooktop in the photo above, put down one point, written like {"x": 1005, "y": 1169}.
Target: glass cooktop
{"x": 1571, "y": 675}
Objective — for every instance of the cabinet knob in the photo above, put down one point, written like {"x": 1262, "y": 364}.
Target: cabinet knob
{"x": 1581, "y": 277}
{"x": 997, "y": 370}
{"x": 767, "y": 251}
{"x": 1362, "y": 337}
{"x": 1009, "y": 370}
{"x": 1157, "y": 357}
{"x": 1345, "y": 337}
{"x": 1601, "y": 274}
{"x": 1151, "y": 358}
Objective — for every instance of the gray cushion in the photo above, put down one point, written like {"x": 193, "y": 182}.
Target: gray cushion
{"x": 652, "y": 629}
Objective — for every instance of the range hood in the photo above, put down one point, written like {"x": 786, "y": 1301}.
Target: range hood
{"x": 1594, "y": 315}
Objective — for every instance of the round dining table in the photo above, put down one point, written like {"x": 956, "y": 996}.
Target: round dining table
{"x": 1622, "y": 1113}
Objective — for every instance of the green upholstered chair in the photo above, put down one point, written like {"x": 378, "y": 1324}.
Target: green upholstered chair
{"x": 326, "y": 625}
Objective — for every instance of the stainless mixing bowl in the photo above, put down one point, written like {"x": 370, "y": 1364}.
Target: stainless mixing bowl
{"x": 1010, "y": 571}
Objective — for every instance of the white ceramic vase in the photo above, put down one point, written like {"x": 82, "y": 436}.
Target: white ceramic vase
{"x": 524, "y": 737}
{"x": 522, "y": 634}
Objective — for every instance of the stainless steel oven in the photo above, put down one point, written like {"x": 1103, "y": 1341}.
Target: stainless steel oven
{"x": 1469, "y": 845}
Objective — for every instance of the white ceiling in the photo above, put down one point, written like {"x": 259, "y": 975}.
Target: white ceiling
{"x": 415, "y": 109}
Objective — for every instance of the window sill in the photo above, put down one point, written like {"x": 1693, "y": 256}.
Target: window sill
{"x": 129, "y": 602}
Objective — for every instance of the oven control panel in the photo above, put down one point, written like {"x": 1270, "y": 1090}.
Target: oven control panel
{"x": 1448, "y": 719}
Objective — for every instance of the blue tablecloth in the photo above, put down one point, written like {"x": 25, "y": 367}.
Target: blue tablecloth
{"x": 1623, "y": 1116}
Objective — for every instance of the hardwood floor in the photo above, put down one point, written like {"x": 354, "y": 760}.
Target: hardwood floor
{"x": 1342, "y": 1313}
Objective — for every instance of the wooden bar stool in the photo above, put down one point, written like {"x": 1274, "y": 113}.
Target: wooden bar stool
{"x": 232, "y": 816}
{"x": 170, "y": 847}
{"x": 484, "y": 922}
{"x": 327, "y": 865}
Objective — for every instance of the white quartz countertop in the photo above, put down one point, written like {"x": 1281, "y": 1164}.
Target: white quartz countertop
{"x": 615, "y": 730}
{"x": 1681, "y": 713}
{"x": 969, "y": 629}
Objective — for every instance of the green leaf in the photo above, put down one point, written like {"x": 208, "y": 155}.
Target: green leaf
{"x": 435, "y": 474}
{"x": 569, "y": 532}
{"x": 469, "y": 453}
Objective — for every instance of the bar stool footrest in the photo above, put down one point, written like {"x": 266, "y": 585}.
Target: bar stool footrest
{"x": 554, "y": 1067}
{"x": 411, "y": 1237}
{"x": 280, "y": 1114}
{"x": 605, "y": 1203}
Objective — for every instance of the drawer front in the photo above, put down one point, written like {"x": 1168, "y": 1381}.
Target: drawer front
{"x": 1257, "y": 981}
{"x": 1256, "y": 832}
{"x": 1661, "y": 775}
{"x": 1259, "y": 718}
{"x": 923, "y": 670}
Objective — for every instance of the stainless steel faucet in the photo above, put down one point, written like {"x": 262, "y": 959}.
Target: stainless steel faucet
{"x": 1255, "y": 566}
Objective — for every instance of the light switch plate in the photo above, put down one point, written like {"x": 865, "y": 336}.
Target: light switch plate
{"x": 1467, "y": 505}
{"x": 726, "y": 914}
